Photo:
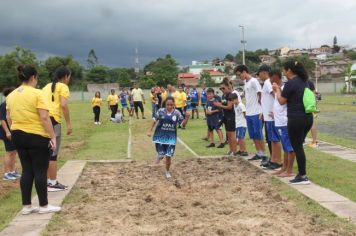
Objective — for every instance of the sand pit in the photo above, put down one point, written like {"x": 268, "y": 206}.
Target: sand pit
{"x": 204, "y": 197}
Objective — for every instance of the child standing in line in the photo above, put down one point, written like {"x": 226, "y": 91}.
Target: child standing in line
{"x": 166, "y": 121}
{"x": 96, "y": 104}
{"x": 213, "y": 116}
{"x": 241, "y": 124}
{"x": 132, "y": 106}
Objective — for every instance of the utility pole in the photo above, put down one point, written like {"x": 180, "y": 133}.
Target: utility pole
{"x": 137, "y": 64}
{"x": 243, "y": 41}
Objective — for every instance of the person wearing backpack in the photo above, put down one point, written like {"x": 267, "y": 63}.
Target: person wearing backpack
{"x": 299, "y": 99}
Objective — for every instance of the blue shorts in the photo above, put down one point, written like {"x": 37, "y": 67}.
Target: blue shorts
{"x": 165, "y": 150}
{"x": 271, "y": 130}
{"x": 124, "y": 105}
{"x": 254, "y": 126}
{"x": 284, "y": 137}
{"x": 240, "y": 133}
{"x": 212, "y": 127}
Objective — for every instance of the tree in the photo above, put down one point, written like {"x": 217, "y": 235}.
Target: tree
{"x": 336, "y": 48}
{"x": 9, "y": 63}
{"x": 52, "y": 63}
{"x": 98, "y": 74}
{"x": 163, "y": 71}
{"x": 92, "y": 59}
{"x": 229, "y": 57}
{"x": 206, "y": 79}
{"x": 351, "y": 54}
{"x": 121, "y": 76}
{"x": 228, "y": 70}
{"x": 147, "y": 82}
{"x": 308, "y": 63}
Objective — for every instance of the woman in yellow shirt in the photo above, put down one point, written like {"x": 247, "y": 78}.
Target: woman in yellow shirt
{"x": 57, "y": 96}
{"x": 96, "y": 104}
{"x": 113, "y": 103}
{"x": 33, "y": 136}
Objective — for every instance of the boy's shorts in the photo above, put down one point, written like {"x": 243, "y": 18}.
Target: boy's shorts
{"x": 165, "y": 150}
{"x": 272, "y": 132}
{"x": 194, "y": 105}
{"x": 284, "y": 137}
{"x": 123, "y": 105}
{"x": 254, "y": 126}
{"x": 212, "y": 127}
{"x": 240, "y": 133}
{"x": 9, "y": 146}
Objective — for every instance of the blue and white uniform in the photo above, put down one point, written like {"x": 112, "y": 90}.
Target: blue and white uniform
{"x": 123, "y": 99}
{"x": 203, "y": 98}
{"x": 189, "y": 104}
{"x": 214, "y": 120}
{"x": 194, "y": 96}
{"x": 281, "y": 122}
{"x": 165, "y": 135}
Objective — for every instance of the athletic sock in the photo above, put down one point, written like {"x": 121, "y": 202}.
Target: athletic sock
{"x": 52, "y": 182}
{"x": 260, "y": 153}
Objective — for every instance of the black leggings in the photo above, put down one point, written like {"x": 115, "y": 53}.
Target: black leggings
{"x": 96, "y": 111}
{"x": 298, "y": 129}
{"x": 34, "y": 153}
{"x": 137, "y": 105}
{"x": 114, "y": 110}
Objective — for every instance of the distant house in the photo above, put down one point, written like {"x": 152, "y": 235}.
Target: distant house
{"x": 267, "y": 59}
{"x": 297, "y": 52}
{"x": 334, "y": 69}
{"x": 216, "y": 75}
{"x": 198, "y": 67}
{"x": 188, "y": 79}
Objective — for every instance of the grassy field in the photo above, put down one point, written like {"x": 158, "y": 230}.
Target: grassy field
{"x": 88, "y": 143}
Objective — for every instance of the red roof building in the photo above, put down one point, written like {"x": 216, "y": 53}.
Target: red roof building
{"x": 188, "y": 79}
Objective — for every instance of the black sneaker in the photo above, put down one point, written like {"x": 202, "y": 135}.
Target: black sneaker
{"x": 255, "y": 158}
{"x": 211, "y": 145}
{"x": 273, "y": 166}
{"x": 265, "y": 164}
{"x": 205, "y": 139}
{"x": 299, "y": 180}
{"x": 226, "y": 142}
{"x": 264, "y": 161}
{"x": 244, "y": 154}
{"x": 221, "y": 145}
{"x": 56, "y": 187}
{"x": 238, "y": 152}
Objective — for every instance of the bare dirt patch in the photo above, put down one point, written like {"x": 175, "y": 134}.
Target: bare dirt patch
{"x": 204, "y": 197}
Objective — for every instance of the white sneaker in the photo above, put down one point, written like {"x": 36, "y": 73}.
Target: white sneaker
{"x": 49, "y": 209}
{"x": 95, "y": 123}
{"x": 99, "y": 123}
{"x": 168, "y": 175}
{"x": 29, "y": 210}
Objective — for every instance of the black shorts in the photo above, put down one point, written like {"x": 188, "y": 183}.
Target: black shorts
{"x": 229, "y": 123}
{"x": 214, "y": 127}
{"x": 194, "y": 105}
{"x": 9, "y": 146}
{"x": 137, "y": 105}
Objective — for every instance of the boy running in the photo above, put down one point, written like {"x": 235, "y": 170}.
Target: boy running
{"x": 166, "y": 121}
{"x": 213, "y": 114}
{"x": 241, "y": 125}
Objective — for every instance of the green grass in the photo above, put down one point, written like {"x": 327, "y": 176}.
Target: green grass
{"x": 345, "y": 142}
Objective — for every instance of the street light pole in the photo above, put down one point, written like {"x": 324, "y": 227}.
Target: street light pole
{"x": 243, "y": 41}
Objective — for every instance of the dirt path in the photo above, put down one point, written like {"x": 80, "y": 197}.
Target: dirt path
{"x": 205, "y": 197}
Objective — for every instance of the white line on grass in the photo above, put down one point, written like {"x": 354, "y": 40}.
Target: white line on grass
{"x": 187, "y": 147}
{"x": 129, "y": 141}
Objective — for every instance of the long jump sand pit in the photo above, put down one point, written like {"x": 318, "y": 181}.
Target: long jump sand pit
{"x": 204, "y": 197}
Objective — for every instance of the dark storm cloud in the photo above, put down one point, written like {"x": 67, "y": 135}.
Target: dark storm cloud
{"x": 189, "y": 30}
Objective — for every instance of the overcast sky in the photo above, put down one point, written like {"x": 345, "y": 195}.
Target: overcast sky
{"x": 186, "y": 29}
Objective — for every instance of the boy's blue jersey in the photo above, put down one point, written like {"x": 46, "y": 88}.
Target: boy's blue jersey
{"x": 166, "y": 130}
{"x": 216, "y": 117}
{"x": 194, "y": 95}
{"x": 203, "y": 97}
{"x": 123, "y": 98}
{"x": 189, "y": 103}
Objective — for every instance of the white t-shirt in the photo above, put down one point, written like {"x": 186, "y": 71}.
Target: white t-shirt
{"x": 238, "y": 95}
{"x": 118, "y": 118}
{"x": 280, "y": 113}
{"x": 267, "y": 100}
{"x": 252, "y": 87}
{"x": 137, "y": 95}
{"x": 240, "y": 119}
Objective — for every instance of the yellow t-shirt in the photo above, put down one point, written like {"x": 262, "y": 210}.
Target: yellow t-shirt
{"x": 61, "y": 90}
{"x": 96, "y": 102}
{"x": 153, "y": 98}
{"x": 180, "y": 99}
{"x": 137, "y": 95}
{"x": 22, "y": 105}
{"x": 113, "y": 99}
{"x": 164, "y": 95}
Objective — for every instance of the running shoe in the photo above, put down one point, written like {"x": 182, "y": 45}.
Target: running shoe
{"x": 229, "y": 153}
{"x": 313, "y": 145}
{"x": 243, "y": 154}
{"x": 221, "y": 145}
{"x": 16, "y": 174}
{"x": 211, "y": 145}
{"x": 168, "y": 175}
{"x": 49, "y": 209}
{"x": 29, "y": 210}
{"x": 56, "y": 187}
{"x": 99, "y": 123}
{"x": 264, "y": 160}
{"x": 300, "y": 180}
{"x": 238, "y": 152}
{"x": 143, "y": 117}
{"x": 9, "y": 177}
{"x": 255, "y": 158}
{"x": 273, "y": 166}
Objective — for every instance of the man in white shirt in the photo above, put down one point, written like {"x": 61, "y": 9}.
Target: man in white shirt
{"x": 267, "y": 101}
{"x": 253, "y": 110}
{"x": 139, "y": 100}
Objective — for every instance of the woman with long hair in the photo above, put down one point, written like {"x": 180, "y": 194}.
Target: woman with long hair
{"x": 96, "y": 104}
